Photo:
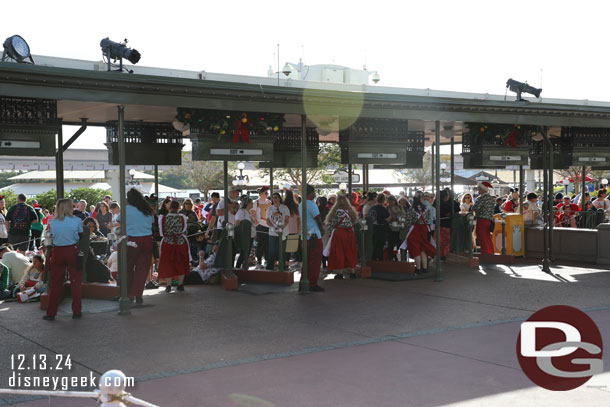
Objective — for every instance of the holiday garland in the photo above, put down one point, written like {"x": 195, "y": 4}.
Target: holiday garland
{"x": 240, "y": 125}
{"x": 508, "y": 135}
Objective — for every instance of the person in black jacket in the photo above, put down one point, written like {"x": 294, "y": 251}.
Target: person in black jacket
{"x": 449, "y": 209}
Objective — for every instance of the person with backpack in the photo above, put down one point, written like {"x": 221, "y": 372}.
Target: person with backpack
{"x": 20, "y": 218}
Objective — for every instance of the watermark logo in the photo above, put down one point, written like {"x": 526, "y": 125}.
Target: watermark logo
{"x": 560, "y": 348}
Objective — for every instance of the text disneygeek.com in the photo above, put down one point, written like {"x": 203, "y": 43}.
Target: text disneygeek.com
{"x": 33, "y": 371}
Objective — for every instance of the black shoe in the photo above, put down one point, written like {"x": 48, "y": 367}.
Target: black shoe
{"x": 338, "y": 276}
{"x": 181, "y": 287}
{"x": 151, "y": 285}
{"x": 139, "y": 300}
{"x": 423, "y": 270}
{"x": 77, "y": 316}
{"x": 49, "y": 318}
{"x": 353, "y": 275}
{"x": 417, "y": 271}
{"x": 168, "y": 288}
{"x": 317, "y": 289}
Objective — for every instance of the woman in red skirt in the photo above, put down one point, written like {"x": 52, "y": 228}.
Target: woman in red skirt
{"x": 175, "y": 257}
{"x": 341, "y": 247}
{"x": 418, "y": 243}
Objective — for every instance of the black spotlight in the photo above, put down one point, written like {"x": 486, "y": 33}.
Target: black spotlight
{"x": 114, "y": 50}
{"x": 520, "y": 87}
{"x": 17, "y": 49}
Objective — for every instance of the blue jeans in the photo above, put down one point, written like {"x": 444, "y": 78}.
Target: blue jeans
{"x": 274, "y": 250}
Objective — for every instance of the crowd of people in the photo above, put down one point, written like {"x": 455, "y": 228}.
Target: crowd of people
{"x": 173, "y": 243}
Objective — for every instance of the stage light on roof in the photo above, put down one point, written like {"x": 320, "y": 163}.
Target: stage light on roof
{"x": 16, "y": 48}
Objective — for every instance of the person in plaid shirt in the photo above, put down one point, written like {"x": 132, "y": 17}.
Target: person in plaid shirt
{"x": 484, "y": 210}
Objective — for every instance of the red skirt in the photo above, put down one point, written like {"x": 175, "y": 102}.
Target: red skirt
{"x": 174, "y": 260}
{"x": 418, "y": 242}
{"x": 343, "y": 253}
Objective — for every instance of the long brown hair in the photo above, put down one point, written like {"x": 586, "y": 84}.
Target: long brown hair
{"x": 342, "y": 203}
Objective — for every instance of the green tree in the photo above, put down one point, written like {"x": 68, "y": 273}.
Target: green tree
{"x": 177, "y": 180}
{"x": 47, "y": 199}
{"x": 91, "y": 195}
{"x": 10, "y": 198}
{"x": 423, "y": 175}
{"x": 4, "y": 178}
{"x": 329, "y": 159}
{"x": 202, "y": 175}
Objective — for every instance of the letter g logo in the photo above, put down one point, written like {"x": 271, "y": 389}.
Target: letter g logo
{"x": 555, "y": 344}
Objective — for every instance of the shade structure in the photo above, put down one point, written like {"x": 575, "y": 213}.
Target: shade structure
{"x": 28, "y": 126}
{"x": 145, "y": 143}
{"x": 380, "y": 141}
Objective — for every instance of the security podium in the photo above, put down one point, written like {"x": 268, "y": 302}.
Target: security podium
{"x": 491, "y": 145}
{"x": 145, "y": 143}
{"x": 591, "y": 146}
{"x": 230, "y": 135}
{"x": 28, "y": 126}
{"x": 380, "y": 141}
{"x": 287, "y": 148}
{"x": 514, "y": 234}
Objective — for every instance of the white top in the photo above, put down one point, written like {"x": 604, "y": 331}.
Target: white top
{"x": 243, "y": 214}
{"x": 221, "y": 218}
{"x": 465, "y": 207}
{"x": 274, "y": 214}
{"x": 114, "y": 261}
{"x": 17, "y": 263}
{"x": 260, "y": 208}
{"x": 366, "y": 208}
{"x": 3, "y": 231}
{"x": 601, "y": 203}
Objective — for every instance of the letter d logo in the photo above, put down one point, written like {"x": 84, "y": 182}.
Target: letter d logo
{"x": 560, "y": 348}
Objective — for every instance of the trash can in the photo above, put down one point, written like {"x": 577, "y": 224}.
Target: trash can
{"x": 515, "y": 232}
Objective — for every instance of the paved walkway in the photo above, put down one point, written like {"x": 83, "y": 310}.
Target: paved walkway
{"x": 361, "y": 343}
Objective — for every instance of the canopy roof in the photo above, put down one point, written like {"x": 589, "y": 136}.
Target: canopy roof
{"x": 85, "y": 90}
{"x": 72, "y": 175}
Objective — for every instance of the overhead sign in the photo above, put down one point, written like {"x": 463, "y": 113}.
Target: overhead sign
{"x": 343, "y": 176}
{"x": 389, "y": 156}
{"x": 236, "y": 151}
{"x": 592, "y": 159}
{"x": 505, "y": 158}
{"x": 19, "y": 144}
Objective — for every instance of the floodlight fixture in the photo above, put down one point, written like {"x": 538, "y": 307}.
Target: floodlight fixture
{"x": 375, "y": 77}
{"x": 16, "y": 48}
{"x": 520, "y": 87}
{"x": 118, "y": 51}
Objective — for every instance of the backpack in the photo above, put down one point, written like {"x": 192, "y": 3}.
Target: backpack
{"x": 21, "y": 218}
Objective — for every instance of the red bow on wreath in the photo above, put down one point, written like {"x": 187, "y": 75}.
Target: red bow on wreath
{"x": 242, "y": 130}
{"x": 512, "y": 138}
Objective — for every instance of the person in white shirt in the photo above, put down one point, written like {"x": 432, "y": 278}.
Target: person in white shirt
{"x": 601, "y": 202}
{"x": 244, "y": 214}
{"x": 276, "y": 212}
{"x": 233, "y": 207}
{"x": 113, "y": 264}
{"x": 16, "y": 262}
{"x": 466, "y": 203}
{"x": 259, "y": 214}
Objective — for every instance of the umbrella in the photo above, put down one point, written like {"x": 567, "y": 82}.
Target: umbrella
{"x": 587, "y": 179}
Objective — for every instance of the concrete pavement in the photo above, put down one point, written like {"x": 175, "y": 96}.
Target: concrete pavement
{"x": 362, "y": 342}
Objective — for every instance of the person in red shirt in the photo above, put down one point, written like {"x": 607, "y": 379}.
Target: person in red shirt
{"x": 512, "y": 204}
{"x": 565, "y": 212}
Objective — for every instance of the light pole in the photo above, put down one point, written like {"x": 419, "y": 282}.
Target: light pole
{"x": 241, "y": 179}
{"x": 444, "y": 179}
